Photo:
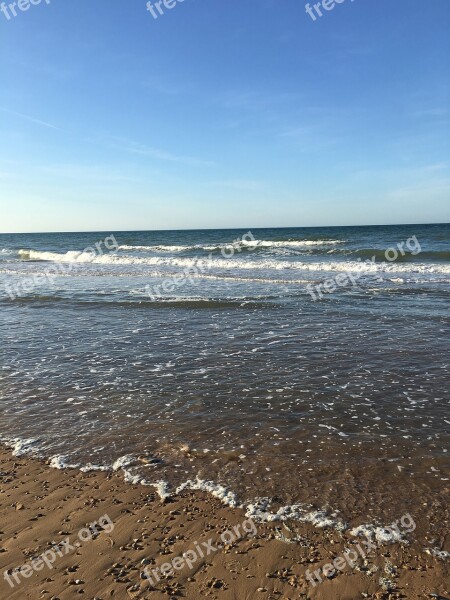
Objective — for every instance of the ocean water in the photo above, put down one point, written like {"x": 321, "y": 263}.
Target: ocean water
{"x": 305, "y": 367}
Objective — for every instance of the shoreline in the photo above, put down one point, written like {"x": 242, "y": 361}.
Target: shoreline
{"x": 371, "y": 504}
{"x": 42, "y": 506}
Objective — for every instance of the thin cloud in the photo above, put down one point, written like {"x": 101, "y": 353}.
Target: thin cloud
{"x": 31, "y": 119}
{"x": 159, "y": 154}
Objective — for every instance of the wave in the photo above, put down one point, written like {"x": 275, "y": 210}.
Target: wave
{"x": 156, "y": 248}
{"x": 310, "y": 246}
{"x": 72, "y": 256}
{"x": 239, "y": 244}
{"x": 255, "y": 244}
{"x": 363, "y": 255}
{"x": 380, "y": 255}
{"x": 146, "y": 301}
{"x": 203, "y": 265}
{"x": 436, "y": 255}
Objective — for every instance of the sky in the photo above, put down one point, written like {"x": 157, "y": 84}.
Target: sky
{"x": 223, "y": 113}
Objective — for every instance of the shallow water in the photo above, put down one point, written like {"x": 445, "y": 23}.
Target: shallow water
{"x": 225, "y": 367}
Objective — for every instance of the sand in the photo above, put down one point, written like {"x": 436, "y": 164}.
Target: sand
{"x": 135, "y": 530}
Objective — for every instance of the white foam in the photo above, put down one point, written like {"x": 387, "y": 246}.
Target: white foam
{"x": 134, "y": 479}
{"x": 205, "y": 264}
{"x": 72, "y": 256}
{"x": 123, "y": 461}
{"x": 238, "y": 244}
{"x": 157, "y": 248}
{"x": 60, "y": 461}
{"x": 91, "y": 467}
{"x": 271, "y": 244}
{"x": 21, "y": 446}
{"x": 165, "y": 299}
{"x": 259, "y": 511}
{"x": 382, "y": 535}
{"x": 162, "y": 488}
{"x": 441, "y": 554}
{"x": 216, "y": 490}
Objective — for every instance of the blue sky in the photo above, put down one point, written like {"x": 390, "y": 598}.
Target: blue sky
{"x": 224, "y": 113}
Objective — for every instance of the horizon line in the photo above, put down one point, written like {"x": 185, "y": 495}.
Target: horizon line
{"x": 218, "y": 228}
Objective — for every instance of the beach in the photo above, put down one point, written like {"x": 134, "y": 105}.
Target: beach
{"x": 292, "y": 379}
{"x": 224, "y": 300}
{"x": 43, "y": 508}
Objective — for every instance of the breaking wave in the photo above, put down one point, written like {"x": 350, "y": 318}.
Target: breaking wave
{"x": 240, "y": 244}
{"x": 238, "y": 263}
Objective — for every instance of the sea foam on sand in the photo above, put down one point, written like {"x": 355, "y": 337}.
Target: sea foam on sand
{"x": 258, "y": 509}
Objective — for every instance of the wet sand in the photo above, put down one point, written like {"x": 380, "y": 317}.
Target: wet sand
{"x": 135, "y": 530}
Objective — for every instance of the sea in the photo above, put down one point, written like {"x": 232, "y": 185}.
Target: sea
{"x": 297, "y": 372}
